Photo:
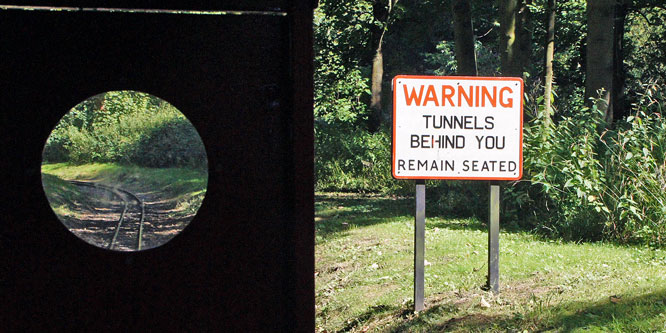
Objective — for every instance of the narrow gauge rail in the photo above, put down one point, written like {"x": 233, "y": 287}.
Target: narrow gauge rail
{"x": 125, "y": 222}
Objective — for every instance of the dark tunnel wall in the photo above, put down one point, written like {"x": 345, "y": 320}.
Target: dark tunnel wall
{"x": 246, "y": 262}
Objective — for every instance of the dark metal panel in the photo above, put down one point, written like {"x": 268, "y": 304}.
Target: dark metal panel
{"x": 301, "y": 232}
{"x": 253, "y": 235}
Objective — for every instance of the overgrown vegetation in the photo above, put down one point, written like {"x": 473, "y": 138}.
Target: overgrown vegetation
{"x": 584, "y": 182}
{"x": 125, "y": 127}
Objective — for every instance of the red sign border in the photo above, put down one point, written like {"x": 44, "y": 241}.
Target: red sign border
{"x": 471, "y": 78}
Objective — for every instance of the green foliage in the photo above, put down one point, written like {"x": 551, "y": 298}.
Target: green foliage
{"x": 444, "y": 61}
{"x": 585, "y": 183}
{"x": 125, "y": 127}
{"x": 584, "y": 179}
{"x": 172, "y": 143}
{"x": 354, "y": 160}
{"x": 342, "y": 38}
{"x": 645, "y": 40}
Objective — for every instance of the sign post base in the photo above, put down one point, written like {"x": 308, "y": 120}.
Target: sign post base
{"x": 493, "y": 238}
{"x": 419, "y": 246}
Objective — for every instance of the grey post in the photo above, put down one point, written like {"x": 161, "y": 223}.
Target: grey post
{"x": 419, "y": 246}
{"x": 493, "y": 238}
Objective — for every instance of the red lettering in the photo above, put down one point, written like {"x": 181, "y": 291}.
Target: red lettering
{"x": 447, "y": 96}
{"x": 430, "y": 96}
{"x": 509, "y": 102}
{"x": 491, "y": 98}
{"x": 410, "y": 98}
{"x": 468, "y": 97}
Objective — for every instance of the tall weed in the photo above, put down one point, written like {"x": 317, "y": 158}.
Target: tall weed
{"x": 585, "y": 182}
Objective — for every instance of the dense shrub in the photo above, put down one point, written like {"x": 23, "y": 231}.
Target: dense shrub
{"x": 352, "y": 159}
{"x": 125, "y": 127}
{"x": 173, "y": 143}
{"x": 585, "y": 182}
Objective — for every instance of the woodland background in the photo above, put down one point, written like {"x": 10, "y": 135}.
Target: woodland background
{"x": 595, "y": 87}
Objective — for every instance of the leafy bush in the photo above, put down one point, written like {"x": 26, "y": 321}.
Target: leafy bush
{"x": 351, "y": 159}
{"x": 125, "y": 127}
{"x": 173, "y": 143}
{"x": 584, "y": 182}
{"x": 444, "y": 62}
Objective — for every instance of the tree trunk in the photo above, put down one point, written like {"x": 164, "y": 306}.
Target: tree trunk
{"x": 599, "y": 62}
{"x": 508, "y": 37}
{"x": 550, "y": 52}
{"x": 619, "y": 74}
{"x": 523, "y": 56}
{"x": 464, "y": 37}
{"x": 378, "y": 74}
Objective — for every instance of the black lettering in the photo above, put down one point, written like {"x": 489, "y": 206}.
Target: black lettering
{"x": 434, "y": 122}
{"x": 460, "y": 141}
{"x": 401, "y": 165}
{"x": 497, "y": 144}
{"x": 490, "y": 142}
{"x": 424, "y": 140}
{"x": 478, "y": 139}
{"x": 468, "y": 122}
{"x": 459, "y": 122}
{"x": 415, "y": 140}
{"x": 489, "y": 122}
{"x": 450, "y": 165}
{"x": 423, "y": 164}
{"x": 411, "y": 165}
{"x": 476, "y": 126}
{"x": 426, "y": 116}
{"x": 465, "y": 165}
{"x": 450, "y": 142}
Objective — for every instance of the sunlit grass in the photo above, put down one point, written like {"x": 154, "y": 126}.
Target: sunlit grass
{"x": 171, "y": 180}
{"x": 364, "y": 276}
{"x": 185, "y": 188}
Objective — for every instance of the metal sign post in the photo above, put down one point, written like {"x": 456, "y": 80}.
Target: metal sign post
{"x": 419, "y": 246}
{"x": 493, "y": 238}
{"x": 457, "y": 127}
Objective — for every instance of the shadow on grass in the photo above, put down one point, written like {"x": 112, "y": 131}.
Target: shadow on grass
{"x": 644, "y": 313}
{"x": 640, "y": 312}
{"x": 338, "y": 212}
{"x": 371, "y": 312}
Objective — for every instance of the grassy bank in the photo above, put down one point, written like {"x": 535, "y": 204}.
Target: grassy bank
{"x": 185, "y": 187}
{"x": 364, "y": 263}
{"x": 168, "y": 180}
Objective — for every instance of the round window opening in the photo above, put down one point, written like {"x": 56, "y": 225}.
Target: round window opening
{"x": 125, "y": 171}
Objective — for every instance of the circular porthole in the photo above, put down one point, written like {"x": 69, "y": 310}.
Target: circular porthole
{"x": 125, "y": 171}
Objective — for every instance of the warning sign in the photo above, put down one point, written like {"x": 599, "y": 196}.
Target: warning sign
{"x": 457, "y": 127}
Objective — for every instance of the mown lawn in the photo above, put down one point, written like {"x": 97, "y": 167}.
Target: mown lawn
{"x": 364, "y": 276}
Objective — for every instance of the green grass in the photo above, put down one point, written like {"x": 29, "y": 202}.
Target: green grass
{"x": 171, "y": 180}
{"x": 364, "y": 276}
{"x": 184, "y": 186}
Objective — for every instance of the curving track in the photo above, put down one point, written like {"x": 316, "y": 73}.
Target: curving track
{"x": 127, "y": 233}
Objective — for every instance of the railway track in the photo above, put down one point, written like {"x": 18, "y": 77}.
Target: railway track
{"x": 127, "y": 234}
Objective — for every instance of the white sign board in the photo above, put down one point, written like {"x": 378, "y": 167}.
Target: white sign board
{"x": 457, "y": 127}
